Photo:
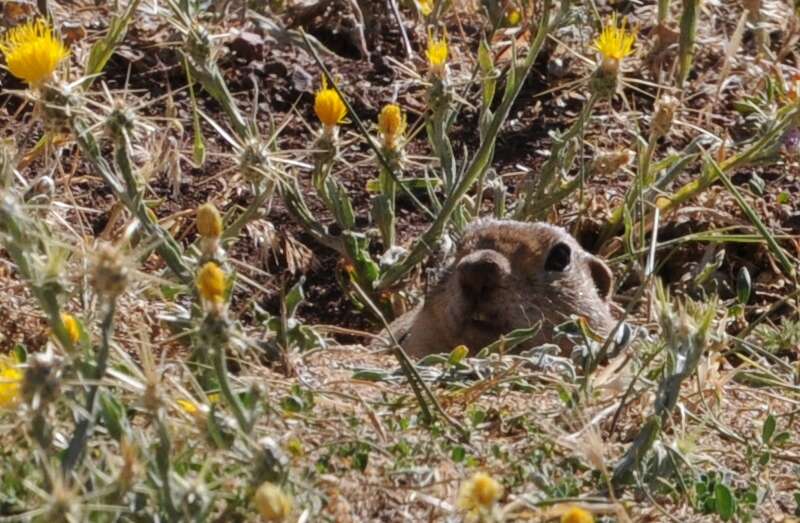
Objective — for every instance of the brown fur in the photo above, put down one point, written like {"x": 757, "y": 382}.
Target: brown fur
{"x": 508, "y": 275}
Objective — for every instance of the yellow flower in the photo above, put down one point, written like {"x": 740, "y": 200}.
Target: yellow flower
{"x": 615, "y": 43}
{"x": 211, "y": 283}
{"x": 437, "y": 54}
{"x": 577, "y": 515}
{"x": 479, "y": 492}
{"x": 392, "y": 123}
{"x": 32, "y": 52}
{"x": 71, "y": 326}
{"x": 513, "y": 17}
{"x": 208, "y": 221}
{"x": 425, "y": 7}
{"x": 10, "y": 380}
{"x": 272, "y": 503}
{"x": 329, "y": 106}
{"x": 189, "y": 407}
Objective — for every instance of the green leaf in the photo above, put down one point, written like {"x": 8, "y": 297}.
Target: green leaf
{"x": 743, "y": 286}
{"x": 20, "y": 354}
{"x": 724, "y": 501}
{"x": 768, "y": 429}
{"x": 103, "y": 49}
{"x": 458, "y": 454}
{"x": 113, "y": 414}
{"x": 295, "y": 297}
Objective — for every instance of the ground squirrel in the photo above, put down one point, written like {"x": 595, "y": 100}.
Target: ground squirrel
{"x": 508, "y": 275}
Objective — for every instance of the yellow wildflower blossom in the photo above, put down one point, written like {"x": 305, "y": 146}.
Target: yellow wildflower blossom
{"x": 211, "y": 283}
{"x": 425, "y": 7}
{"x": 392, "y": 123}
{"x": 71, "y": 326}
{"x": 32, "y": 52}
{"x": 577, "y": 515}
{"x": 513, "y": 17}
{"x": 437, "y": 52}
{"x": 272, "y": 503}
{"x": 481, "y": 491}
{"x": 187, "y": 406}
{"x": 615, "y": 41}
{"x": 10, "y": 382}
{"x": 329, "y": 106}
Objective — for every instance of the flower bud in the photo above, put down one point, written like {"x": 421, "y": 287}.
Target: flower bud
{"x": 71, "y": 326}
{"x": 211, "y": 283}
{"x": 209, "y": 222}
{"x": 392, "y": 124}
{"x": 272, "y": 503}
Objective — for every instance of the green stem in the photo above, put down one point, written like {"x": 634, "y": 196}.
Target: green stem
{"x": 221, "y": 369}
{"x": 77, "y": 444}
{"x": 550, "y": 168}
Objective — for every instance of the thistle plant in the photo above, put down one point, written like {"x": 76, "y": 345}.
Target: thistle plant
{"x": 392, "y": 126}
{"x": 440, "y": 101}
{"x": 614, "y": 44}
{"x": 689, "y": 330}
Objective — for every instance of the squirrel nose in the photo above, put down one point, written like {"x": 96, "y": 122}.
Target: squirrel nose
{"x": 480, "y": 272}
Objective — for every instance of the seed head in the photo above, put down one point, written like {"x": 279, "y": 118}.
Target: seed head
{"x": 392, "y": 124}
{"x": 329, "y": 106}
{"x": 272, "y": 503}
{"x": 208, "y": 221}
{"x": 32, "y": 52}
{"x": 42, "y": 380}
{"x": 211, "y": 283}
{"x": 110, "y": 275}
{"x": 479, "y": 492}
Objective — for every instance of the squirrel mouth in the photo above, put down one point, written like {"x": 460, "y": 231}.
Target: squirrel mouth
{"x": 482, "y": 320}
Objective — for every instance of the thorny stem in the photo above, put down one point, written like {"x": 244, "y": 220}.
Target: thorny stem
{"x": 221, "y": 370}
{"x": 262, "y": 195}
{"x": 77, "y": 444}
{"x": 166, "y": 247}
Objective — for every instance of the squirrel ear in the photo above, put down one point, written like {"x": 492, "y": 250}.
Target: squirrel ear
{"x": 602, "y": 276}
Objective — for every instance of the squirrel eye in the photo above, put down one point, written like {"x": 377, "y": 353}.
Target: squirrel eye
{"x": 558, "y": 258}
